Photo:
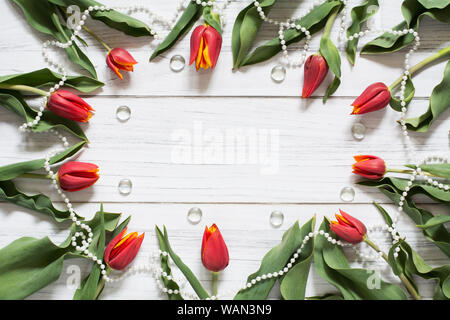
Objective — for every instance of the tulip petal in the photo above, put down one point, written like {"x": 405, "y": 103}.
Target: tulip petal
{"x": 77, "y": 168}
{"x": 363, "y": 157}
{"x": 126, "y": 256}
{"x": 368, "y": 175}
{"x": 214, "y": 44}
{"x": 72, "y": 97}
{"x": 72, "y": 107}
{"x": 122, "y": 57}
{"x": 196, "y": 38}
{"x": 354, "y": 222}
{"x": 112, "y": 244}
{"x": 346, "y": 233}
{"x": 374, "y": 97}
{"x": 112, "y": 66}
{"x": 315, "y": 71}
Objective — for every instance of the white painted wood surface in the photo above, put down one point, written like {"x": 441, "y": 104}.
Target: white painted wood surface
{"x": 311, "y": 155}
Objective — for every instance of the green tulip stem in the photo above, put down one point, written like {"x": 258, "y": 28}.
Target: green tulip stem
{"x": 96, "y": 37}
{"x": 409, "y": 172}
{"x": 34, "y": 176}
{"x": 332, "y": 17}
{"x": 215, "y": 278}
{"x": 402, "y": 277}
{"x": 443, "y": 53}
{"x": 101, "y": 284}
{"x": 19, "y": 87}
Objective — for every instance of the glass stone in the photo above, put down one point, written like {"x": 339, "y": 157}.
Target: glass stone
{"x": 123, "y": 113}
{"x": 358, "y": 131}
{"x": 177, "y": 63}
{"x": 194, "y": 215}
{"x": 125, "y": 186}
{"x": 276, "y": 218}
{"x": 278, "y": 73}
{"x": 347, "y": 194}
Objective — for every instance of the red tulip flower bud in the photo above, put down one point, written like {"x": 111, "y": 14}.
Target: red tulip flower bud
{"x": 348, "y": 228}
{"x": 214, "y": 250}
{"x": 70, "y": 106}
{"x": 316, "y": 69}
{"x": 375, "y": 97}
{"x": 75, "y": 176}
{"x": 121, "y": 251}
{"x": 206, "y": 43}
{"x": 370, "y": 167}
{"x": 120, "y": 59}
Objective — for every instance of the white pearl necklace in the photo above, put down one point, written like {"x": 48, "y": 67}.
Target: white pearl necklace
{"x": 85, "y": 236}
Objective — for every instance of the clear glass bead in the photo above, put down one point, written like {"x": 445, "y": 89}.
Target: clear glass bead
{"x": 278, "y": 73}
{"x": 125, "y": 186}
{"x": 358, "y": 131}
{"x": 123, "y": 113}
{"x": 177, "y": 63}
{"x": 194, "y": 215}
{"x": 276, "y": 218}
{"x": 347, "y": 194}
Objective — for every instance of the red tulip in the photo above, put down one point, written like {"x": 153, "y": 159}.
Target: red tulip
{"x": 370, "y": 167}
{"x": 348, "y": 228}
{"x": 119, "y": 58}
{"x": 75, "y": 176}
{"x": 70, "y": 106}
{"x": 316, "y": 68}
{"x": 121, "y": 251}
{"x": 214, "y": 250}
{"x": 206, "y": 43}
{"x": 375, "y": 97}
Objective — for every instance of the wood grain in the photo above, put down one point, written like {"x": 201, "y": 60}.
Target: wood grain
{"x": 311, "y": 154}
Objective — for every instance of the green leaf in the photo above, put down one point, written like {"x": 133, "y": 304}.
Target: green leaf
{"x": 29, "y": 264}
{"x": 313, "y": 21}
{"x": 183, "y": 25}
{"x": 169, "y": 284}
{"x": 39, "y": 202}
{"x": 245, "y": 28}
{"x": 437, "y": 169}
{"x": 417, "y": 187}
{"x": 190, "y": 276}
{"x": 436, "y": 220}
{"x": 413, "y": 12}
{"x": 416, "y": 265}
{"x": 93, "y": 284}
{"x": 13, "y": 101}
{"x": 14, "y": 170}
{"x": 328, "y": 296}
{"x": 430, "y": 4}
{"x": 46, "y": 77}
{"x": 276, "y": 259}
{"x": 384, "y": 213}
{"x": 438, "y": 234}
{"x": 43, "y": 16}
{"x": 111, "y": 18}
{"x": 359, "y": 14}
{"x": 331, "y": 54}
{"x": 332, "y": 265}
{"x": 293, "y": 284}
{"x": 395, "y": 103}
{"x": 89, "y": 287}
{"x": 212, "y": 19}
{"x": 439, "y": 102}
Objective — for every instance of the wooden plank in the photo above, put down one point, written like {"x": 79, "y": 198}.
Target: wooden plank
{"x": 250, "y": 81}
{"x": 228, "y": 149}
{"x": 246, "y": 230}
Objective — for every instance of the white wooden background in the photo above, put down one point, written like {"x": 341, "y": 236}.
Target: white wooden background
{"x": 315, "y": 147}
